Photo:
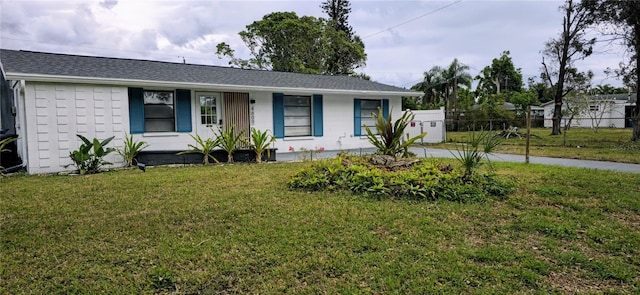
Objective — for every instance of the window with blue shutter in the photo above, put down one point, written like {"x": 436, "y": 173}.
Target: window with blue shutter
{"x": 136, "y": 110}
{"x": 278, "y": 115}
{"x": 363, "y": 114}
{"x": 317, "y": 115}
{"x": 183, "y": 110}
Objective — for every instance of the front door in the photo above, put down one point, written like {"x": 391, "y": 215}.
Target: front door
{"x": 210, "y": 119}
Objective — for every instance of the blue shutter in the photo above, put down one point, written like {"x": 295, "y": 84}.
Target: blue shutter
{"x": 183, "y": 110}
{"x": 136, "y": 110}
{"x": 357, "y": 123}
{"x": 278, "y": 115}
{"x": 317, "y": 115}
{"x": 385, "y": 108}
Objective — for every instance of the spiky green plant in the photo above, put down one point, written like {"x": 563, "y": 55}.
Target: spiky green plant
{"x": 131, "y": 149}
{"x": 230, "y": 141}
{"x": 389, "y": 139}
{"x": 260, "y": 141}
{"x": 202, "y": 146}
{"x": 478, "y": 148}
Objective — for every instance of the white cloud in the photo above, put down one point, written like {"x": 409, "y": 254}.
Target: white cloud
{"x": 475, "y": 32}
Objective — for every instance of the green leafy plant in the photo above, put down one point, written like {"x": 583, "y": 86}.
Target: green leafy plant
{"x": 131, "y": 149}
{"x": 478, "y": 148}
{"x": 229, "y": 141}
{"x": 89, "y": 157}
{"x": 422, "y": 181}
{"x": 202, "y": 146}
{"x": 389, "y": 140}
{"x": 260, "y": 141}
{"x": 4, "y": 143}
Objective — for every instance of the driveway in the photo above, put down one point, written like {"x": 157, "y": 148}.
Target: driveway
{"x": 440, "y": 153}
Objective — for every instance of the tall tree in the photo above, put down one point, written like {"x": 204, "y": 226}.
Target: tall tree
{"x": 338, "y": 12}
{"x": 344, "y": 57}
{"x": 454, "y": 76}
{"x": 282, "y": 41}
{"x": 431, "y": 85}
{"x": 500, "y": 76}
{"x": 571, "y": 45}
{"x": 624, "y": 18}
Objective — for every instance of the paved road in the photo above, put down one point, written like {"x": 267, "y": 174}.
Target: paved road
{"x": 440, "y": 153}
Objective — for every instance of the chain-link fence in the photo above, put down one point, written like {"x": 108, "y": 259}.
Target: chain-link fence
{"x": 536, "y": 122}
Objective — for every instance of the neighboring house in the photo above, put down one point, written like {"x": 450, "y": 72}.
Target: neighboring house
{"x": 596, "y": 111}
{"x": 58, "y": 96}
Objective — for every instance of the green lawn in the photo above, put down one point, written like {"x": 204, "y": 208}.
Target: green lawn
{"x": 608, "y": 144}
{"x": 238, "y": 229}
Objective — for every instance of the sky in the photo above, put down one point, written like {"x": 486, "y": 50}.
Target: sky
{"x": 403, "y": 39}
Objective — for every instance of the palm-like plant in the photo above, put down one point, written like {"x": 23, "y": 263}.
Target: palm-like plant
{"x": 454, "y": 76}
{"x": 478, "y": 148}
{"x": 202, "y": 146}
{"x": 431, "y": 86}
{"x": 229, "y": 141}
{"x": 4, "y": 143}
{"x": 260, "y": 141}
{"x": 131, "y": 149}
{"x": 389, "y": 140}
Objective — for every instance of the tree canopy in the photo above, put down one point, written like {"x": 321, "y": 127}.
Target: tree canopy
{"x": 500, "y": 76}
{"x": 282, "y": 41}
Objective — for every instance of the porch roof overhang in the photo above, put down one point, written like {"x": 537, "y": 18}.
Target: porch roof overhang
{"x": 198, "y": 86}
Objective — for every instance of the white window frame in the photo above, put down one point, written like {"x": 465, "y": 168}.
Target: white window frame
{"x": 146, "y": 113}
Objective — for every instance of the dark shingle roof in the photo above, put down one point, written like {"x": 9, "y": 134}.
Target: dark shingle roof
{"x": 52, "y": 64}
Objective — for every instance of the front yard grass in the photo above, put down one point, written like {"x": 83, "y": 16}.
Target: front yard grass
{"x": 238, "y": 229}
{"x": 608, "y": 144}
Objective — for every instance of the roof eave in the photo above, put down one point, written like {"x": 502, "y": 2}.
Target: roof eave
{"x": 191, "y": 85}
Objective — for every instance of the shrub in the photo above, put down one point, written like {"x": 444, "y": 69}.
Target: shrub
{"x": 423, "y": 181}
{"x": 389, "y": 140}
{"x": 131, "y": 149}
{"x": 202, "y": 146}
{"x": 89, "y": 157}
{"x": 229, "y": 140}
{"x": 260, "y": 141}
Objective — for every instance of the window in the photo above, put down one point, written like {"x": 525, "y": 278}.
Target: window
{"x": 367, "y": 109}
{"x": 594, "y": 108}
{"x": 363, "y": 110}
{"x": 297, "y": 115}
{"x": 208, "y": 109}
{"x": 159, "y": 114}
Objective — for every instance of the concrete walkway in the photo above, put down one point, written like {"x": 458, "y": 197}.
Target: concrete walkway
{"x": 440, "y": 153}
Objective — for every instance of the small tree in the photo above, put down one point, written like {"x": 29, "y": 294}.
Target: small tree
{"x": 389, "y": 137}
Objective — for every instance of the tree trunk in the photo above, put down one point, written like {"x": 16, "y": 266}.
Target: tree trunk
{"x": 562, "y": 72}
{"x": 636, "y": 110}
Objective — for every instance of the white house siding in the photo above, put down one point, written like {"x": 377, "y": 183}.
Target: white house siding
{"x": 613, "y": 116}
{"x": 57, "y": 112}
{"x": 338, "y": 118}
